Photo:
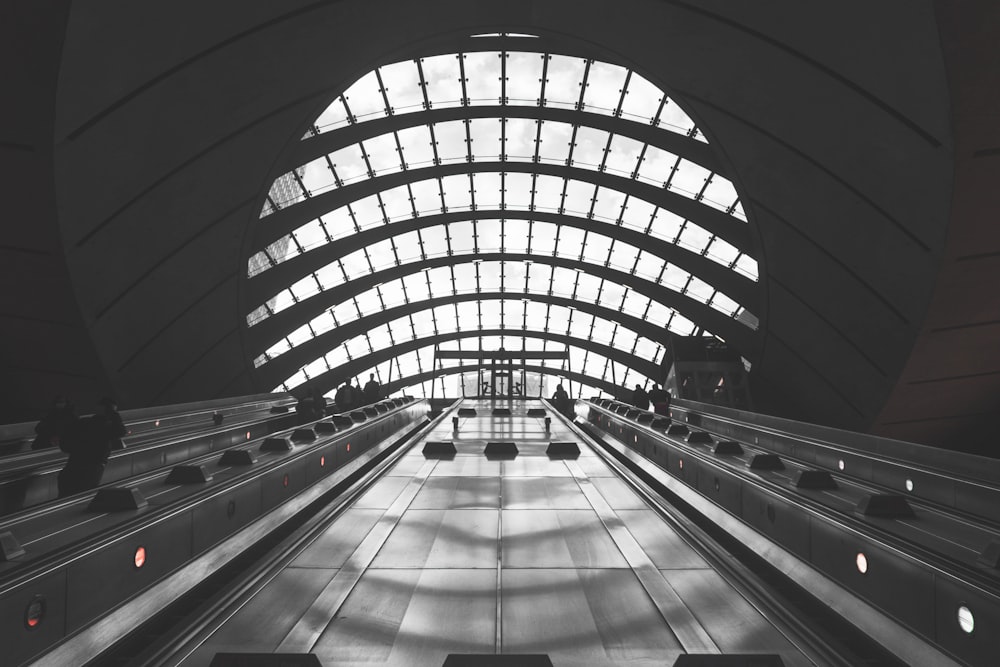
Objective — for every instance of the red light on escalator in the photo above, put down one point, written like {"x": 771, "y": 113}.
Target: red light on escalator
{"x": 34, "y": 613}
{"x": 248, "y": 435}
{"x": 322, "y": 461}
{"x": 680, "y": 464}
{"x": 284, "y": 480}
{"x": 157, "y": 423}
{"x": 348, "y": 446}
{"x": 140, "y": 557}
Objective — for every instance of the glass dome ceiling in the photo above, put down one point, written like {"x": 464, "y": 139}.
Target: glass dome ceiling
{"x": 492, "y": 199}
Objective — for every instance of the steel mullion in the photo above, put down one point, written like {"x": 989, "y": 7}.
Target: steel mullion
{"x": 420, "y": 242}
{"x": 382, "y": 89}
{"x": 603, "y": 166}
{"x": 673, "y": 170}
{"x": 593, "y": 203}
{"x": 572, "y": 146}
{"x": 503, "y": 78}
{"x": 364, "y": 156}
{"x": 584, "y": 84}
{"x": 545, "y": 75}
{"x": 298, "y": 181}
{"x": 621, "y": 98}
{"x": 701, "y": 193}
{"x": 326, "y": 232}
{"x": 447, "y": 238}
{"x": 354, "y": 218}
{"x": 351, "y": 118}
{"x": 333, "y": 170}
{"x": 444, "y": 204}
{"x": 462, "y": 79}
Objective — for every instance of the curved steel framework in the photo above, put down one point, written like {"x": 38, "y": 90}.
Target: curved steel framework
{"x": 632, "y": 335}
{"x": 580, "y": 379}
{"x": 415, "y": 357}
{"x": 487, "y": 177}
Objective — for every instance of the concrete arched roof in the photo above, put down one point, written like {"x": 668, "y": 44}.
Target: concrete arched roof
{"x": 863, "y": 147}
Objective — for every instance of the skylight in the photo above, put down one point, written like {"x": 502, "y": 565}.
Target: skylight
{"x": 489, "y": 191}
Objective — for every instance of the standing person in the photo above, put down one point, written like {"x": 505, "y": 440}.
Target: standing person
{"x": 371, "y": 391}
{"x": 59, "y": 426}
{"x": 359, "y": 394}
{"x": 660, "y": 400}
{"x": 640, "y": 398}
{"x": 342, "y": 399}
{"x": 319, "y": 403}
{"x": 99, "y": 434}
{"x": 561, "y": 401}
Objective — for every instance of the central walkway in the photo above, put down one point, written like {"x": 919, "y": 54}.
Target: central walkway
{"x": 529, "y": 555}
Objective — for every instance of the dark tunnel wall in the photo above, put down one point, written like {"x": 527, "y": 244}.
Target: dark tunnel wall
{"x": 837, "y": 129}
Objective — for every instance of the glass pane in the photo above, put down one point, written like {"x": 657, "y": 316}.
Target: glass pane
{"x": 720, "y": 193}
{"x": 333, "y": 116}
{"x": 570, "y": 242}
{"x": 444, "y": 86}
{"x": 562, "y": 85}
{"x": 402, "y": 86}
{"x": 689, "y": 178}
{"x": 317, "y": 177}
{"x": 637, "y": 214}
{"x": 579, "y": 195}
{"x": 488, "y": 234}
{"x": 489, "y": 276}
{"x": 517, "y": 191}
{"x": 487, "y": 190}
{"x": 461, "y": 237}
{"x": 642, "y": 100}
{"x": 548, "y": 193}
{"x": 349, "y": 163}
{"x": 416, "y": 143}
{"x": 451, "y": 142}
{"x": 695, "y": 238}
{"x": 520, "y": 139}
{"x": 542, "y": 240}
{"x": 674, "y": 119}
{"x": 367, "y": 212}
{"x": 605, "y": 83}
{"x": 364, "y": 98}
{"x": 457, "y": 196}
{"x": 482, "y": 71}
{"x": 309, "y": 235}
{"x": 382, "y": 154}
{"x": 435, "y": 244}
{"x": 485, "y": 133}
{"x": 426, "y": 196}
{"x": 588, "y": 151}
{"x": 608, "y": 204}
{"x": 396, "y": 203}
{"x": 465, "y": 278}
{"x": 655, "y": 166}
{"x": 623, "y": 157}
{"x": 524, "y": 78}
{"x": 554, "y": 142}
{"x": 516, "y": 236}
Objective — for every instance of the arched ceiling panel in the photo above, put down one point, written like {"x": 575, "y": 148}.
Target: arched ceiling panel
{"x": 418, "y": 355}
{"x": 627, "y": 332}
{"x": 491, "y": 271}
{"x": 336, "y": 218}
{"x": 580, "y": 384}
{"x": 669, "y": 238}
{"x": 484, "y": 191}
